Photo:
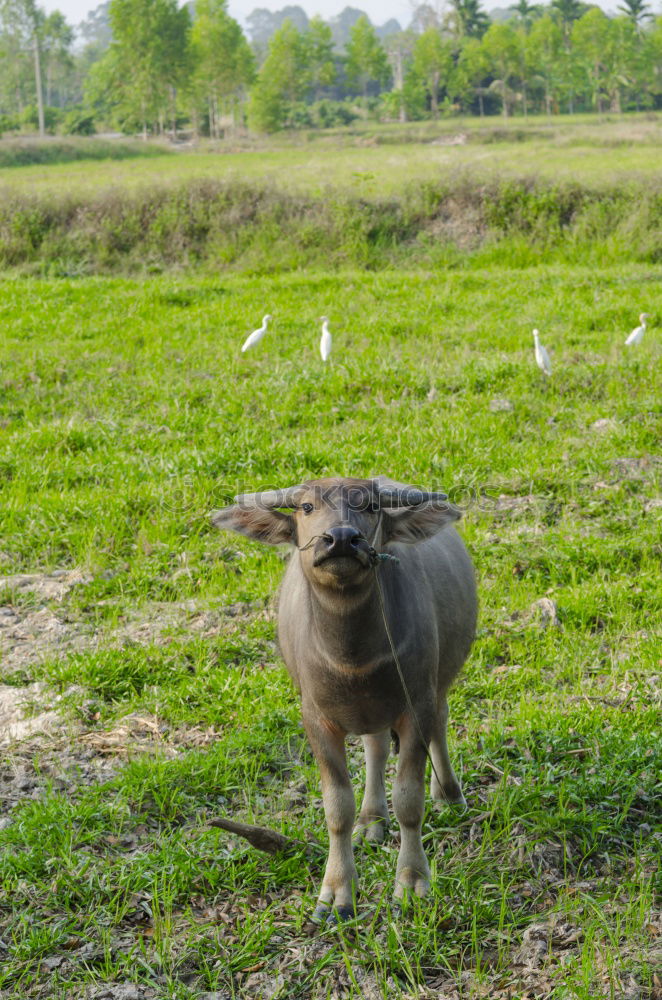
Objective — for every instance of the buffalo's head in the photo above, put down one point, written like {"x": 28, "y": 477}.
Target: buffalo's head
{"x": 338, "y": 525}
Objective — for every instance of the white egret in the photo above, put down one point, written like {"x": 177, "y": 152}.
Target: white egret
{"x": 638, "y": 331}
{"x": 257, "y": 335}
{"x": 326, "y": 341}
{"x": 542, "y": 357}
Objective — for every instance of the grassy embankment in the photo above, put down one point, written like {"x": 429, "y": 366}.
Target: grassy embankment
{"x": 126, "y": 414}
{"x": 576, "y": 195}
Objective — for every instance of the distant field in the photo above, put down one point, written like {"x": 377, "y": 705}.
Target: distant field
{"x": 382, "y": 159}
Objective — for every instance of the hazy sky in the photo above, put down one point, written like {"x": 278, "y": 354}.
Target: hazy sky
{"x": 379, "y": 11}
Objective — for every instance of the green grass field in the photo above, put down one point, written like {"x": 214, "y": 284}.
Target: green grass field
{"x": 382, "y": 159}
{"x": 127, "y": 413}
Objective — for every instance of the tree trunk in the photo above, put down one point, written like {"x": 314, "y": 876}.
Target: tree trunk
{"x": 434, "y": 96}
{"x": 480, "y": 105}
{"x": 38, "y": 87}
{"x": 398, "y": 83}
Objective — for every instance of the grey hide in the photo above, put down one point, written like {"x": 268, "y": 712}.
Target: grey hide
{"x": 333, "y": 640}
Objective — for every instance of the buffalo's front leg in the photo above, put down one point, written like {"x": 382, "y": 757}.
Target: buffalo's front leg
{"x": 413, "y": 871}
{"x": 339, "y": 883}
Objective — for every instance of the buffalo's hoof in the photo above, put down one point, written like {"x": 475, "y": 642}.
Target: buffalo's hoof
{"x": 449, "y": 794}
{"x": 371, "y": 832}
{"x": 409, "y": 882}
{"x": 328, "y": 915}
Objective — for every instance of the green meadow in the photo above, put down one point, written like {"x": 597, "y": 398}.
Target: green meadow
{"x": 128, "y": 413}
{"x": 372, "y": 160}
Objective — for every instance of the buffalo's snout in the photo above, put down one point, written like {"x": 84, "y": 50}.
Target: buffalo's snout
{"x": 341, "y": 540}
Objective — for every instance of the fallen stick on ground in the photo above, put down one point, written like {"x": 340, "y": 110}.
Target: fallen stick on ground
{"x": 265, "y": 839}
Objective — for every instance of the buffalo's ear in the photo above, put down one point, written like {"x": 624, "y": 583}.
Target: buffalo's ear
{"x": 269, "y": 526}
{"x": 418, "y": 523}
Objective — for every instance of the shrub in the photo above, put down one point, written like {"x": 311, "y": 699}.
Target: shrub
{"x": 78, "y": 122}
{"x": 262, "y": 229}
{"x": 52, "y": 117}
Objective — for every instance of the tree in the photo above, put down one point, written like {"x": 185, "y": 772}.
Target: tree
{"x": 222, "y": 59}
{"x": 423, "y": 17}
{"x": 366, "y": 59}
{"x": 95, "y": 29}
{"x": 473, "y": 67}
{"x": 263, "y": 23}
{"x": 635, "y": 10}
{"x": 526, "y": 12}
{"x": 501, "y": 47}
{"x": 432, "y": 62}
{"x": 282, "y": 80}
{"x": 471, "y": 20}
{"x": 567, "y": 12}
{"x": 653, "y": 59}
{"x": 341, "y": 26}
{"x": 398, "y": 48}
{"x": 24, "y": 21}
{"x": 547, "y": 52}
{"x": 607, "y": 51}
{"x": 147, "y": 61}
{"x": 321, "y": 64}
{"x": 56, "y": 41}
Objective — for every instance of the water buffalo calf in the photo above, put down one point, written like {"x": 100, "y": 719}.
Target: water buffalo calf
{"x": 333, "y": 640}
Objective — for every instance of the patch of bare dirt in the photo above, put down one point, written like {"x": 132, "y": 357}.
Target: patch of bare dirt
{"x": 68, "y": 755}
{"x": 53, "y": 585}
{"x": 507, "y": 504}
{"x": 543, "y": 612}
{"x": 500, "y": 405}
{"x": 23, "y": 712}
{"x": 604, "y": 425}
{"x": 30, "y": 634}
{"x": 48, "y": 760}
{"x": 459, "y": 139}
{"x": 639, "y": 468}
{"x": 143, "y": 733}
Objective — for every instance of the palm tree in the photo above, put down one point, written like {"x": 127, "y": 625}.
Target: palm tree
{"x": 568, "y": 10}
{"x": 636, "y": 10}
{"x": 472, "y": 20}
{"x": 527, "y": 12}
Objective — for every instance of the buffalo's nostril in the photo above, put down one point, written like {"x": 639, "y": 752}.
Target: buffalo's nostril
{"x": 341, "y": 539}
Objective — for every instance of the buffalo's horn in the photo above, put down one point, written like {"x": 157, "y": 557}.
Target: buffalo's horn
{"x": 269, "y": 499}
{"x": 408, "y": 496}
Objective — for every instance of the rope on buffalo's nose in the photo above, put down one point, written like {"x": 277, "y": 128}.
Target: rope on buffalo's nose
{"x": 309, "y": 544}
{"x": 380, "y": 593}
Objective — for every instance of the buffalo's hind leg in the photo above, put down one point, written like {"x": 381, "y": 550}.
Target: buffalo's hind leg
{"x": 372, "y": 821}
{"x": 449, "y": 789}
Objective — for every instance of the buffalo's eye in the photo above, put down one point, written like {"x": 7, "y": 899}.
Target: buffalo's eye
{"x": 307, "y": 508}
